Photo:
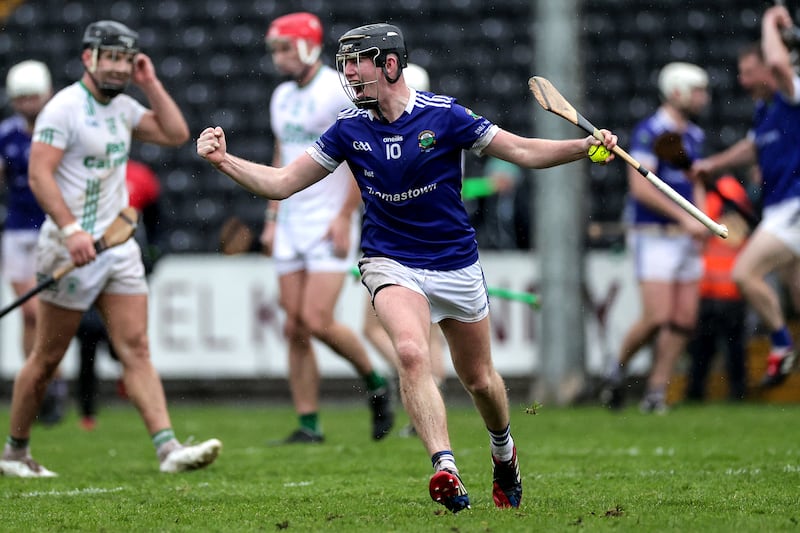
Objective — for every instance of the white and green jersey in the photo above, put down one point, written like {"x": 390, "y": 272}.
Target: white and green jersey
{"x": 299, "y": 115}
{"x": 96, "y": 139}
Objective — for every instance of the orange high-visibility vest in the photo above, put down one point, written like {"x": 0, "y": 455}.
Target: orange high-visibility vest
{"x": 720, "y": 254}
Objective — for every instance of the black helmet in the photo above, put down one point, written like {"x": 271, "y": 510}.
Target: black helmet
{"x": 376, "y": 40}
{"x": 111, "y": 34}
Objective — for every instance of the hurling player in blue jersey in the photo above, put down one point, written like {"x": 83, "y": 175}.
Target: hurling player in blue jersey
{"x": 766, "y": 72}
{"x": 666, "y": 241}
{"x": 420, "y": 259}
{"x": 28, "y": 87}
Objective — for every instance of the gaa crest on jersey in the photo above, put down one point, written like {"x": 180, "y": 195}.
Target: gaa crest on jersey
{"x": 426, "y": 140}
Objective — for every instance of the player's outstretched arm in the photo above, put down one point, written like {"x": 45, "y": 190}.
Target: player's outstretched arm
{"x": 543, "y": 153}
{"x": 262, "y": 180}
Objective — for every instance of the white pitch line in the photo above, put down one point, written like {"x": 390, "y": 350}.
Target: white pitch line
{"x": 298, "y": 484}
{"x": 73, "y": 492}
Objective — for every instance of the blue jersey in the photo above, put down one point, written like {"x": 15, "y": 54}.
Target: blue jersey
{"x": 23, "y": 211}
{"x": 410, "y": 175}
{"x": 776, "y": 133}
{"x": 642, "y": 139}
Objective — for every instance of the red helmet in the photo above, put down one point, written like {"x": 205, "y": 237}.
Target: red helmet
{"x": 305, "y": 29}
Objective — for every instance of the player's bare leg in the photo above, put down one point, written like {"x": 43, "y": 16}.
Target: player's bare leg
{"x": 125, "y": 316}
{"x": 671, "y": 342}
{"x": 28, "y": 314}
{"x": 471, "y": 353}
{"x": 126, "y": 319}
{"x": 373, "y": 331}
{"x": 57, "y": 326}
{"x": 764, "y": 253}
{"x": 321, "y": 292}
{"x": 303, "y": 370}
{"x": 319, "y": 301}
{"x": 53, "y": 404}
{"x": 409, "y": 331}
{"x": 470, "y": 350}
{"x": 642, "y": 332}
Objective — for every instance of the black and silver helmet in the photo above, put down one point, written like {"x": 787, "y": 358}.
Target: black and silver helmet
{"x": 109, "y": 35}
{"x": 374, "y": 42}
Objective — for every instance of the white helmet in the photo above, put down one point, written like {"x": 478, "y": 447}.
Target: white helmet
{"x": 681, "y": 77}
{"x": 28, "y": 78}
{"x": 417, "y": 77}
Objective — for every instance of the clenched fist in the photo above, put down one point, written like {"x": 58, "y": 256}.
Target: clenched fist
{"x": 211, "y": 145}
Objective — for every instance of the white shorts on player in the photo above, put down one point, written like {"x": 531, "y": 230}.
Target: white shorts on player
{"x": 665, "y": 257}
{"x": 783, "y": 221}
{"x": 303, "y": 246}
{"x": 118, "y": 270}
{"x": 459, "y": 294}
{"x": 19, "y": 255}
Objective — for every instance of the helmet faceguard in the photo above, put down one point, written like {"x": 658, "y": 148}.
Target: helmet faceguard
{"x": 304, "y": 29}
{"x": 373, "y": 42}
{"x": 109, "y": 35}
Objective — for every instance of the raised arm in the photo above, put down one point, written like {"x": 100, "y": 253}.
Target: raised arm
{"x": 776, "y": 55}
{"x": 262, "y": 180}
{"x": 164, "y": 123}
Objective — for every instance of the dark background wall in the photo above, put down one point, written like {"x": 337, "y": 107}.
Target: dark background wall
{"x": 210, "y": 55}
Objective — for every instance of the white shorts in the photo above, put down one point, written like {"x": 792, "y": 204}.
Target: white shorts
{"x": 783, "y": 221}
{"x": 303, "y": 246}
{"x": 118, "y": 270}
{"x": 459, "y": 294}
{"x": 665, "y": 257}
{"x": 19, "y": 254}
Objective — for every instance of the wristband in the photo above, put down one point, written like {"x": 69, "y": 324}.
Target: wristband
{"x": 271, "y": 215}
{"x": 70, "y": 229}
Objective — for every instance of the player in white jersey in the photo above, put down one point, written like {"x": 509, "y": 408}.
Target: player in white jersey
{"x": 313, "y": 236}
{"x": 77, "y": 166}
{"x": 420, "y": 259}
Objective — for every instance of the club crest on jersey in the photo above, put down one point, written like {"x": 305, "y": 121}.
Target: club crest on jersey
{"x": 426, "y": 140}
{"x": 472, "y": 113}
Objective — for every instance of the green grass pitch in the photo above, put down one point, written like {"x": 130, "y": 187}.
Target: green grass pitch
{"x": 705, "y": 468}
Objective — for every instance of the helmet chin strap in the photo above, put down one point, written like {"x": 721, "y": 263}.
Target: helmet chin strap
{"x": 386, "y": 74}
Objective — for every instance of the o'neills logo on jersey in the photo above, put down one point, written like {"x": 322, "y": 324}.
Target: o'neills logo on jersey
{"x": 426, "y": 140}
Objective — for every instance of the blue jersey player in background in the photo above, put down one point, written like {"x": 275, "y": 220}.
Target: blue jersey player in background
{"x": 766, "y": 72}
{"x": 420, "y": 258}
{"x": 28, "y": 87}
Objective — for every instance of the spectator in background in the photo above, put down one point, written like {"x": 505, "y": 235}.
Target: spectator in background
{"x": 79, "y": 152}
{"x": 417, "y": 78}
{"x": 497, "y": 221}
{"x": 766, "y": 72}
{"x": 420, "y": 260}
{"x": 664, "y": 238}
{"x": 143, "y": 192}
{"x": 313, "y": 236}
{"x": 28, "y": 87}
{"x": 723, "y": 311}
